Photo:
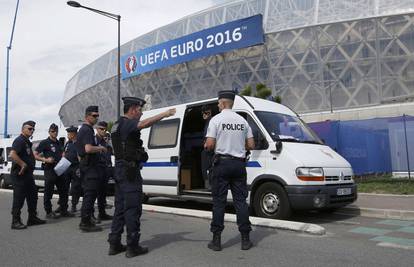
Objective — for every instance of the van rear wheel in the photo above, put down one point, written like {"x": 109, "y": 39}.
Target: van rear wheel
{"x": 271, "y": 201}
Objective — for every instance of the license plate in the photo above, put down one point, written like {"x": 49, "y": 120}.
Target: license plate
{"x": 343, "y": 191}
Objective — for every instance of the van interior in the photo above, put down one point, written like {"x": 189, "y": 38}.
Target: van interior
{"x": 192, "y": 142}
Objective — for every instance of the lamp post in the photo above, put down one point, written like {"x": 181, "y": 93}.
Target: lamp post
{"x": 329, "y": 86}
{"x": 117, "y": 18}
{"x": 6, "y": 104}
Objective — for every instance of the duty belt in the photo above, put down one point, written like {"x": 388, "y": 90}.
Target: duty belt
{"x": 230, "y": 157}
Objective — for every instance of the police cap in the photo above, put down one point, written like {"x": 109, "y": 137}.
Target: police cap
{"x": 227, "y": 94}
{"x": 129, "y": 100}
{"x": 53, "y": 127}
{"x": 72, "y": 129}
{"x": 103, "y": 124}
{"x": 30, "y": 123}
{"x": 91, "y": 109}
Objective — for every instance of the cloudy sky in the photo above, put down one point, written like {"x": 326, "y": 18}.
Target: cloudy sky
{"x": 52, "y": 41}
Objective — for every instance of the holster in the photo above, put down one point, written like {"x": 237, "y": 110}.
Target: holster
{"x": 131, "y": 170}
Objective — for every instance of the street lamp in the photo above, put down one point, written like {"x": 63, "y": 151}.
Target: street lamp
{"x": 117, "y": 18}
{"x": 329, "y": 86}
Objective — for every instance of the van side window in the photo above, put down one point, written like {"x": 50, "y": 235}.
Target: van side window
{"x": 259, "y": 138}
{"x": 164, "y": 134}
{"x": 1, "y": 155}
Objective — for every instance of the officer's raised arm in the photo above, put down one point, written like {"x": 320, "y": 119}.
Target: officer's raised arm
{"x": 150, "y": 121}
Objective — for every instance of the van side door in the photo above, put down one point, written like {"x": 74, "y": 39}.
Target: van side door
{"x": 162, "y": 143}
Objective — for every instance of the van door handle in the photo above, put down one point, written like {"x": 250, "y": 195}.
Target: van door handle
{"x": 174, "y": 159}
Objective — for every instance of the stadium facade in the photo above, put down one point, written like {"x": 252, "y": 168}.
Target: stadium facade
{"x": 317, "y": 54}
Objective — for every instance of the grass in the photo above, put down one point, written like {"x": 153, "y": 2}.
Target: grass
{"x": 385, "y": 184}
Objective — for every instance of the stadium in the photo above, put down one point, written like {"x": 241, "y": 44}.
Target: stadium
{"x": 317, "y": 55}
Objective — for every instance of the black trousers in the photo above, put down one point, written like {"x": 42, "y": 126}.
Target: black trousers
{"x": 90, "y": 177}
{"x": 102, "y": 186}
{"x": 51, "y": 179}
{"x": 24, "y": 188}
{"x": 229, "y": 174}
{"x": 128, "y": 206}
{"x": 73, "y": 176}
{"x": 206, "y": 158}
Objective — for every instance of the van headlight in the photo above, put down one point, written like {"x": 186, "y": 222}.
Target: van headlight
{"x": 310, "y": 174}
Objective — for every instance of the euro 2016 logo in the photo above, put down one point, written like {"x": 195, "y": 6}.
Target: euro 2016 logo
{"x": 131, "y": 64}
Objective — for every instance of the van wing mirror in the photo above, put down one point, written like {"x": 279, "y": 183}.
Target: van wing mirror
{"x": 278, "y": 146}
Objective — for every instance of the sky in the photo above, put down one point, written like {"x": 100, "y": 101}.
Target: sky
{"x": 52, "y": 41}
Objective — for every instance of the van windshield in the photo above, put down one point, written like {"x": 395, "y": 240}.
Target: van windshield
{"x": 287, "y": 128}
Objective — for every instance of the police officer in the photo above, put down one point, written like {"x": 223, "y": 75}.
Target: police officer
{"x": 206, "y": 156}
{"x": 229, "y": 135}
{"x": 73, "y": 172}
{"x": 104, "y": 164}
{"x": 22, "y": 178}
{"x": 129, "y": 154}
{"x": 50, "y": 151}
{"x": 88, "y": 151}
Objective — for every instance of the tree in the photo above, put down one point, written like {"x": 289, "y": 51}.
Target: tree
{"x": 261, "y": 92}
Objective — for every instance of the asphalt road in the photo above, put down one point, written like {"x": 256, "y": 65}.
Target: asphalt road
{"x": 181, "y": 241}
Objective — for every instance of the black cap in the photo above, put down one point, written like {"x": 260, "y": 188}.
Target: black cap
{"x": 91, "y": 109}
{"x": 205, "y": 108}
{"x": 102, "y": 124}
{"x": 30, "y": 123}
{"x": 228, "y": 94}
{"x": 133, "y": 101}
{"x": 53, "y": 127}
{"x": 72, "y": 129}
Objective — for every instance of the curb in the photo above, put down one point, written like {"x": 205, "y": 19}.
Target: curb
{"x": 384, "y": 195}
{"x": 378, "y": 213}
{"x": 306, "y": 228}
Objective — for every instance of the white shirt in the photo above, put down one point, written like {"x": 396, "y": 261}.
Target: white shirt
{"x": 230, "y": 131}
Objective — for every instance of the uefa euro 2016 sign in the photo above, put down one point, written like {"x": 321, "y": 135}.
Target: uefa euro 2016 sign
{"x": 233, "y": 35}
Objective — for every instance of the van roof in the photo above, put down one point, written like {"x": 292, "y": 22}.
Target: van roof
{"x": 241, "y": 102}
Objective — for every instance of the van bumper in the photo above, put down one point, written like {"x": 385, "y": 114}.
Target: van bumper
{"x": 321, "y": 196}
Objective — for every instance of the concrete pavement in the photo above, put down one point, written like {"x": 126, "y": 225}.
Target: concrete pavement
{"x": 382, "y": 206}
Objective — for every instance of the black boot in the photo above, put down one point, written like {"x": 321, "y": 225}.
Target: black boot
{"x": 133, "y": 251}
{"x": 246, "y": 244}
{"x": 215, "y": 244}
{"x": 104, "y": 217}
{"x": 115, "y": 249}
{"x": 88, "y": 226}
{"x": 17, "y": 223}
{"x": 66, "y": 213}
{"x": 34, "y": 220}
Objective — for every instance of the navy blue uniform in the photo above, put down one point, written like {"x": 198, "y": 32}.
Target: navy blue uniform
{"x": 23, "y": 185}
{"x": 73, "y": 173}
{"x": 128, "y": 192}
{"x": 51, "y": 148}
{"x": 230, "y": 131}
{"x": 88, "y": 170}
{"x": 104, "y": 169}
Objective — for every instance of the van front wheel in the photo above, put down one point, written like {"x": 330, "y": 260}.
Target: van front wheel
{"x": 271, "y": 201}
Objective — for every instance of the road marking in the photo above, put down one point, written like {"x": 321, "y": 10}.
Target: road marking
{"x": 396, "y": 222}
{"x": 370, "y": 231}
{"x": 408, "y": 229}
{"x": 392, "y": 245}
{"x": 394, "y": 240}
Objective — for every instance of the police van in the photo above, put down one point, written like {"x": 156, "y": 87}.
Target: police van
{"x": 289, "y": 169}
{"x": 6, "y": 163}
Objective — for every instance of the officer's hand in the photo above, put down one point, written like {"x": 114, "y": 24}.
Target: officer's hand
{"x": 23, "y": 168}
{"x": 49, "y": 160}
{"x": 103, "y": 149}
{"x": 170, "y": 112}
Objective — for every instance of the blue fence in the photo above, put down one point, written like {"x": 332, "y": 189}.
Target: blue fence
{"x": 381, "y": 145}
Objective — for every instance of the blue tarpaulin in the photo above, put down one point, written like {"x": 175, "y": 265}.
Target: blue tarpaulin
{"x": 380, "y": 145}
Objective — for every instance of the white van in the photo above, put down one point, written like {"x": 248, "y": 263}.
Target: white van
{"x": 6, "y": 163}
{"x": 290, "y": 168}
